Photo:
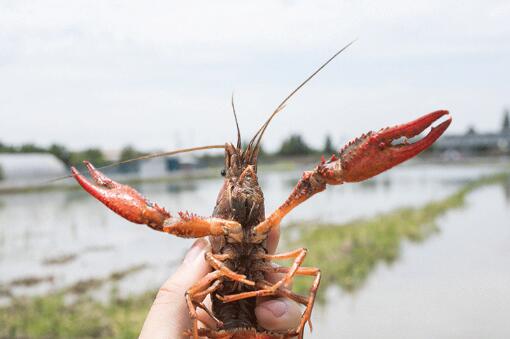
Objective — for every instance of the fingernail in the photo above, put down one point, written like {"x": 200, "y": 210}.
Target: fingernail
{"x": 276, "y": 307}
{"x": 197, "y": 248}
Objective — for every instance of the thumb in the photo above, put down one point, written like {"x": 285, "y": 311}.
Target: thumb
{"x": 168, "y": 316}
{"x": 279, "y": 314}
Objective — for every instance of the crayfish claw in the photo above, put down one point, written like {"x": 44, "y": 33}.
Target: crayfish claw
{"x": 376, "y": 152}
{"x": 99, "y": 178}
{"x": 121, "y": 199}
{"x": 85, "y": 183}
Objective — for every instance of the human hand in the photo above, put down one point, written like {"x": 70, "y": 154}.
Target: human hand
{"x": 169, "y": 317}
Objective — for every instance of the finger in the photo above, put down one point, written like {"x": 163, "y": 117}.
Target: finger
{"x": 272, "y": 239}
{"x": 278, "y": 314}
{"x": 168, "y": 316}
{"x": 204, "y": 318}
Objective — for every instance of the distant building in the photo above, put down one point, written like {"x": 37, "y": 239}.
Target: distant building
{"x": 478, "y": 143}
{"x": 506, "y": 122}
{"x": 160, "y": 167}
{"x": 30, "y": 167}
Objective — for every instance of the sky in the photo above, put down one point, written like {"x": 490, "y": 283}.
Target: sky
{"x": 159, "y": 74}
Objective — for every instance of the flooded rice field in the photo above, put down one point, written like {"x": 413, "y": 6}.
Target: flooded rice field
{"x": 455, "y": 284}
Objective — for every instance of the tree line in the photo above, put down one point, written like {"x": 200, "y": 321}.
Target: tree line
{"x": 68, "y": 157}
{"x": 294, "y": 145}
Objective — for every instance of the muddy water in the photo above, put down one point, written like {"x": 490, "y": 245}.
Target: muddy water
{"x": 455, "y": 285}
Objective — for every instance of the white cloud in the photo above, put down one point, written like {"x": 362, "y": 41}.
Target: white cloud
{"x": 114, "y": 72}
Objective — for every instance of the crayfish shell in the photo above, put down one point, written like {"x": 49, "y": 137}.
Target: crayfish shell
{"x": 243, "y": 333}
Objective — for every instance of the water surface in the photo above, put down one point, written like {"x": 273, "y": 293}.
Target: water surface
{"x": 454, "y": 285}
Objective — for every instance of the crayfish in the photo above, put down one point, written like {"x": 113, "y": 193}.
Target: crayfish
{"x": 238, "y": 228}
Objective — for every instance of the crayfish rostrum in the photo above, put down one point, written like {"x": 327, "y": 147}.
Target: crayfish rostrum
{"x": 238, "y": 227}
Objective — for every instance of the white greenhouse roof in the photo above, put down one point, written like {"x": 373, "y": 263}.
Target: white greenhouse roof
{"x": 30, "y": 166}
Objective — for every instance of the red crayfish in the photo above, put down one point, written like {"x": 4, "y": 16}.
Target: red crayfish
{"x": 238, "y": 227}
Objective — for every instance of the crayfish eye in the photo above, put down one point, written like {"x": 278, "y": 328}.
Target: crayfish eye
{"x": 223, "y": 172}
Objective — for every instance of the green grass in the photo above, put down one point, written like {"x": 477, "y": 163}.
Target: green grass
{"x": 348, "y": 253}
{"x": 71, "y": 313}
{"x": 53, "y": 316}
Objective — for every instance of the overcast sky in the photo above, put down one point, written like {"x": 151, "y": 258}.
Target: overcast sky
{"x": 159, "y": 74}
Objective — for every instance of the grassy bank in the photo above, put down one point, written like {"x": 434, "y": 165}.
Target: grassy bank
{"x": 52, "y": 316}
{"x": 346, "y": 253}
{"x": 71, "y": 312}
